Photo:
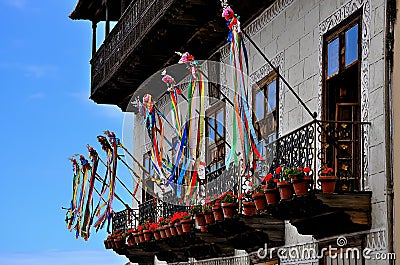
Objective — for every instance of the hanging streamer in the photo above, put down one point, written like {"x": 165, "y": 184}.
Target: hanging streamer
{"x": 88, "y": 217}
{"x": 242, "y": 121}
{"x": 112, "y": 167}
{"x": 71, "y": 212}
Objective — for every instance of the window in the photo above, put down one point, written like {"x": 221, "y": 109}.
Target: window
{"x": 215, "y": 133}
{"x": 214, "y": 72}
{"x": 265, "y": 111}
{"x": 147, "y": 184}
{"x": 341, "y": 100}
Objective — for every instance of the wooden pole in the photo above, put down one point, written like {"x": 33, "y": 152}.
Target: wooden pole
{"x": 94, "y": 38}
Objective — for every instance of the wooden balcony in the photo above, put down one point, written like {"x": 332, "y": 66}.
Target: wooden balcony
{"x": 146, "y": 37}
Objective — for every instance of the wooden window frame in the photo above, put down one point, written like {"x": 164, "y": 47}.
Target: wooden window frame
{"x": 211, "y": 112}
{"x": 339, "y": 32}
{"x": 263, "y": 85}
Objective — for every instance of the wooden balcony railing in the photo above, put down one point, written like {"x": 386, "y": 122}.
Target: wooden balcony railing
{"x": 134, "y": 24}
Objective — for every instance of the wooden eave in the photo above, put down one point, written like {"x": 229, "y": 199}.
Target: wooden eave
{"x": 195, "y": 26}
{"x": 94, "y": 10}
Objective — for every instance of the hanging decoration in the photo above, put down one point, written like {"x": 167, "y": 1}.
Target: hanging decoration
{"x": 155, "y": 130}
{"x": 243, "y": 127}
{"x": 89, "y": 213}
{"x": 85, "y": 167}
{"x": 193, "y": 134}
{"x": 72, "y": 211}
{"x": 174, "y": 91}
{"x": 112, "y": 154}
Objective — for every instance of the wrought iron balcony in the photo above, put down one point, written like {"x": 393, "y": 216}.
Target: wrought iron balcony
{"x": 147, "y": 35}
{"x": 339, "y": 145}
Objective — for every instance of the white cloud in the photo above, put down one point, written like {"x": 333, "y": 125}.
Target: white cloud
{"x": 60, "y": 257}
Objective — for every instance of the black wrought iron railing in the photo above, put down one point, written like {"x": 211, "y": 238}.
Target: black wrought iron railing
{"x": 150, "y": 210}
{"x": 137, "y": 20}
{"x": 340, "y": 145}
{"x": 125, "y": 220}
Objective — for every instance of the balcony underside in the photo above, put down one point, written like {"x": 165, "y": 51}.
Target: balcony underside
{"x": 324, "y": 215}
{"x": 222, "y": 238}
{"x": 124, "y": 62}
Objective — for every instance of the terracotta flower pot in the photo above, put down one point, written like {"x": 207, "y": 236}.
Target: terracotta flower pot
{"x": 218, "y": 214}
{"x": 167, "y": 231}
{"x": 162, "y": 232}
{"x": 147, "y": 235}
{"x": 112, "y": 243}
{"x": 141, "y": 237}
{"x": 187, "y": 225}
{"x": 259, "y": 200}
{"x": 137, "y": 238}
{"x": 131, "y": 240}
{"x": 203, "y": 229}
{"x": 173, "y": 230}
{"x": 229, "y": 209}
{"x": 178, "y": 227}
{"x": 328, "y": 183}
{"x": 272, "y": 196}
{"x": 157, "y": 235}
{"x": 119, "y": 243}
{"x": 107, "y": 244}
{"x": 200, "y": 219}
{"x": 249, "y": 209}
{"x": 209, "y": 217}
{"x": 300, "y": 185}
{"x": 285, "y": 190}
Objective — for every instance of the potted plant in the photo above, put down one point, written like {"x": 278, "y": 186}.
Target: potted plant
{"x": 271, "y": 191}
{"x": 165, "y": 223}
{"x": 208, "y": 213}
{"x": 327, "y": 180}
{"x": 228, "y": 204}
{"x": 258, "y": 197}
{"x": 161, "y": 226}
{"x": 299, "y": 179}
{"x": 249, "y": 208}
{"x": 175, "y": 221}
{"x": 107, "y": 242}
{"x": 217, "y": 210}
{"x": 147, "y": 233}
{"x": 197, "y": 211}
{"x": 140, "y": 233}
{"x": 283, "y": 185}
{"x": 119, "y": 240}
{"x": 130, "y": 237}
{"x": 186, "y": 222}
{"x": 154, "y": 228}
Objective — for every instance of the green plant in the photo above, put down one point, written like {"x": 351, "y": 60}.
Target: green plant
{"x": 257, "y": 188}
{"x": 196, "y": 208}
{"x": 228, "y": 197}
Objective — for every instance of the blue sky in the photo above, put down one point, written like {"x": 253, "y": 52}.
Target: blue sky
{"x": 46, "y": 117}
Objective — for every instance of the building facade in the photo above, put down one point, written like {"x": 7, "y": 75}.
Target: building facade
{"x": 336, "y": 56}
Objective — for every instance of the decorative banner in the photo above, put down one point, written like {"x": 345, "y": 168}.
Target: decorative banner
{"x": 242, "y": 120}
{"x": 71, "y": 212}
{"x": 112, "y": 168}
{"x": 88, "y": 217}
{"x": 85, "y": 167}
